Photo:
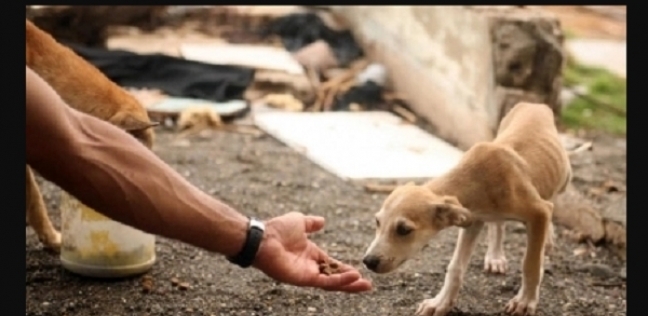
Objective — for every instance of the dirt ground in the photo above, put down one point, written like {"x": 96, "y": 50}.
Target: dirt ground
{"x": 262, "y": 177}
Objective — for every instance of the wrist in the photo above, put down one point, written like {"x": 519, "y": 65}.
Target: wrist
{"x": 254, "y": 237}
{"x": 266, "y": 247}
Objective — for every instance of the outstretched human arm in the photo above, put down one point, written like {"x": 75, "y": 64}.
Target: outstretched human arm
{"x": 110, "y": 171}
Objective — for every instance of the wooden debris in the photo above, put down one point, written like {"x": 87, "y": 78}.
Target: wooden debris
{"x": 584, "y": 147}
{"x": 329, "y": 89}
{"x": 379, "y": 188}
{"x": 404, "y": 113}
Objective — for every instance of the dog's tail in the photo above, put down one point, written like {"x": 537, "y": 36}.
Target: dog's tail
{"x": 581, "y": 148}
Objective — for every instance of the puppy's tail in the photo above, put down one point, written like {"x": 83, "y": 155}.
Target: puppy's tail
{"x": 581, "y": 148}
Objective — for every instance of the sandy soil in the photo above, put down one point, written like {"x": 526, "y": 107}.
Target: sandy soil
{"x": 262, "y": 177}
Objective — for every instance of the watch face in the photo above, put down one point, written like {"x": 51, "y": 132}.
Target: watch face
{"x": 257, "y": 224}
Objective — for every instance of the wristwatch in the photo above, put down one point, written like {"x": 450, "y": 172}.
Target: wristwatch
{"x": 246, "y": 256}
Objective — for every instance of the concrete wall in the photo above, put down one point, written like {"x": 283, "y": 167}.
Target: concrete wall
{"x": 445, "y": 60}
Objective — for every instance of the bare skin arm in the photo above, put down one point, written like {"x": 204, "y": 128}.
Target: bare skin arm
{"x": 127, "y": 183}
{"x": 110, "y": 171}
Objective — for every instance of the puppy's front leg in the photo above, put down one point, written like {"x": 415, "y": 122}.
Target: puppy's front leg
{"x": 526, "y": 301}
{"x": 495, "y": 260}
{"x": 445, "y": 299}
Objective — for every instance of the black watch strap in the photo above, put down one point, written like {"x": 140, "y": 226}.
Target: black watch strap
{"x": 246, "y": 256}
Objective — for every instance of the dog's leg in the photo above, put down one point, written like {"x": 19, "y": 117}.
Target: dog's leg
{"x": 549, "y": 244}
{"x": 37, "y": 216}
{"x": 495, "y": 260}
{"x": 526, "y": 300}
{"x": 444, "y": 300}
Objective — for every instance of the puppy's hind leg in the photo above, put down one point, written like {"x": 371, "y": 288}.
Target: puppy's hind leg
{"x": 537, "y": 222}
{"x": 37, "y": 216}
{"x": 495, "y": 260}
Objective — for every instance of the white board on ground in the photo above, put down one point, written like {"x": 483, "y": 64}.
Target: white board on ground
{"x": 361, "y": 145}
{"x": 244, "y": 55}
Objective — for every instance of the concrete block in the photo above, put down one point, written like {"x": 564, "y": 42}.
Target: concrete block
{"x": 460, "y": 66}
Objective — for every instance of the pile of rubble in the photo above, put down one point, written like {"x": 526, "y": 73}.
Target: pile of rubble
{"x": 289, "y": 58}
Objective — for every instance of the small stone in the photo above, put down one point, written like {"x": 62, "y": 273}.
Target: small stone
{"x": 312, "y": 309}
{"x": 175, "y": 281}
{"x": 184, "y": 286}
{"x": 548, "y": 270}
{"x": 181, "y": 143}
{"x": 156, "y": 309}
{"x": 598, "y": 270}
{"x": 623, "y": 274}
{"x": 45, "y": 304}
{"x": 147, "y": 284}
{"x": 580, "y": 251}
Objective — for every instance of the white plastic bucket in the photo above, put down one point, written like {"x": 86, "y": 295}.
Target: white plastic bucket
{"x": 94, "y": 245}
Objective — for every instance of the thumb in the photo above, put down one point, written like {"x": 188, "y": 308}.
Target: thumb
{"x": 313, "y": 223}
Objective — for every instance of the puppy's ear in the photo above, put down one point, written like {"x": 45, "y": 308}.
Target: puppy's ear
{"x": 451, "y": 213}
{"x": 131, "y": 123}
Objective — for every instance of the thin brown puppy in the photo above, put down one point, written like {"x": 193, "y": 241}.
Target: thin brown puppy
{"x": 514, "y": 177}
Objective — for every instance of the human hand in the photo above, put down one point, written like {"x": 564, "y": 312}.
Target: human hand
{"x": 287, "y": 255}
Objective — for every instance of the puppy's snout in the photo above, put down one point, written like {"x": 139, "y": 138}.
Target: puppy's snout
{"x": 371, "y": 262}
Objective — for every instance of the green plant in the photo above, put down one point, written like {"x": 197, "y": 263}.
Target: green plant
{"x": 603, "y": 106}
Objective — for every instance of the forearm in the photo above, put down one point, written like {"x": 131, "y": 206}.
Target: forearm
{"x": 110, "y": 171}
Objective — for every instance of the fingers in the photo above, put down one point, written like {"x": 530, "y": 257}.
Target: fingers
{"x": 313, "y": 223}
{"x": 350, "y": 282}
{"x": 337, "y": 281}
{"x": 347, "y": 279}
{"x": 361, "y": 285}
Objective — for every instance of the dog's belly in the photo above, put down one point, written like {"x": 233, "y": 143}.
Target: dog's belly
{"x": 548, "y": 165}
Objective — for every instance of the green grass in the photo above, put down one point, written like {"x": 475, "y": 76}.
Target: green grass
{"x": 603, "y": 86}
{"x": 568, "y": 34}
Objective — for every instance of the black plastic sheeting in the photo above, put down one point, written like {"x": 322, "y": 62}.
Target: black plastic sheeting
{"x": 369, "y": 95}
{"x": 174, "y": 76}
{"x": 301, "y": 29}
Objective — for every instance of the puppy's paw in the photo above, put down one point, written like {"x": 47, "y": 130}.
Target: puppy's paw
{"x": 53, "y": 242}
{"x": 438, "y": 306}
{"x": 521, "y": 306}
{"x": 495, "y": 263}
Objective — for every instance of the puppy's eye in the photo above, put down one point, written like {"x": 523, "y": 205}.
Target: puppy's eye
{"x": 403, "y": 230}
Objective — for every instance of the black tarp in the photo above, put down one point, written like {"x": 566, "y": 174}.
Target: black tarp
{"x": 174, "y": 76}
{"x": 301, "y": 29}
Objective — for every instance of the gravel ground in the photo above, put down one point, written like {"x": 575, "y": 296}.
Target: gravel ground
{"x": 262, "y": 177}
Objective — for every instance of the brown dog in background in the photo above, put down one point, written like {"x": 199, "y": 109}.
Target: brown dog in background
{"x": 83, "y": 87}
{"x": 514, "y": 177}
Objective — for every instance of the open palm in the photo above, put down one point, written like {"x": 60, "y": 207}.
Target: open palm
{"x": 288, "y": 256}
